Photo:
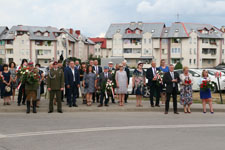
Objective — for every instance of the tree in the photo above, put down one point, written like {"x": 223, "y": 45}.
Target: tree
{"x": 71, "y": 58}
{"x": 178, "y": 66}
{"x": 91, "y": 57}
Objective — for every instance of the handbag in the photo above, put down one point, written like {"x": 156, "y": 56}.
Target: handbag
{"x": 7, "y": 88}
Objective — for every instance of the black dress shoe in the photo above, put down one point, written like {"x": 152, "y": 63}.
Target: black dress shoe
{"x": 60, "y": 111}
{"x": 75, "y": 105}
{"x": 18, "y": 104}
{"x": 100, "y": 105}
{"x": 157, "y": 105}
{"x": 70, "y": 105}
{"x": 166, "y": 112}
{"x": 50, "y": 112}
{"x": 176, "y": 113}
{"x": 152, "y": 105}
{"x": 106, "y": 105}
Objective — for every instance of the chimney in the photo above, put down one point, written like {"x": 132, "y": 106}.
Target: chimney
{"x": 223, "y": 28}
{"x": 77, "y": 32}
{"x": 71, "y": 31}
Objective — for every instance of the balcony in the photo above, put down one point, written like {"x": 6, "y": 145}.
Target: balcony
{"x": 132, "y": 45}
{"x": 209, "y": 53}
{"x": 8, "y": 46}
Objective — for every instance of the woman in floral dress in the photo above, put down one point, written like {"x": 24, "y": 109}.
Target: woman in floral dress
{"x": 139, "y": 82}
{"x": 186, "y": 82}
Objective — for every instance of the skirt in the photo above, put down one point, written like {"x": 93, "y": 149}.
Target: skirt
{"x": 205, "y": 94}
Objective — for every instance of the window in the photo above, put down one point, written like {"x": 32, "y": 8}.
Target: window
{"x": 164, "y": 41}
{"x": 206, "y": 41}
{"x": 190, "y": 61}
{"x": 28, "y": 52}
{"x": 146, "y": 51}
{"x": 176, "y": 50}
{"x": 46, "y": 34}
{"x": 176, "y": 41}
{"x": 2, "y": 51}
{"x": 195, "y": 39}
{"x": 2, "y": 42}
{"x": 164, "y": 51}
{"x": 209, "y": 61}
{"x": 149, "y": 41}
{"x": 222, "y": 51}
{"x": 190, "y": 41}
{"x": 69, "y": 52}
{"x": 9, "y": 51}
{"x": 38, "y": 33}
{"x": 137, "y": 51}
{"x": 190, "y": 51}
{"x": 127, "y": 51}
{"x": 144, "y": 41}
{"x": 195, "y": 51}
{"x": 194, "y": 61}
{"x": 22, "y": 41}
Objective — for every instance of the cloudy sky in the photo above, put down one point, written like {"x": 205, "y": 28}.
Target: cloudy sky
{"x": 93, "y": 17}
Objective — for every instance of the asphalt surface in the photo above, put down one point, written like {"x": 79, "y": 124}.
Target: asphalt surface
{"x": 112, "y": 131}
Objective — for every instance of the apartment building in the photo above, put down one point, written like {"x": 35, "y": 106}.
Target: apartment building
{"x": 135, "y": 41}
{"x": 42, "y": 44}
{"x": 195, "y": 45}
{"x": 78, "y": 45}
{"x": 3, "y": 31}
{"x": 100, "y": 48}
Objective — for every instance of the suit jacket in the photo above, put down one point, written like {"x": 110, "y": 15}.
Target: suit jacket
{"x": 150, "y": 76}
{"x": 99, "y": 69}
{"x": 167, "y": 79}
{"x": 102, "y": 80}
{"x": 55, "y": 79}
{"x": 128, "y": 74}
{"x": 69, "y": 76}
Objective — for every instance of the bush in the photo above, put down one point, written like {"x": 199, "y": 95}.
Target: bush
{"x": 178, "y": 66}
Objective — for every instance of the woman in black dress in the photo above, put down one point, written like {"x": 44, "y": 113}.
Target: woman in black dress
{"x": 6, "y": 87}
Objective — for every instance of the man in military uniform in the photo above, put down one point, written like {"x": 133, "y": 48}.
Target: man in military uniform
{"x": 55, "y": 85}
{"x": 31, "y": 90}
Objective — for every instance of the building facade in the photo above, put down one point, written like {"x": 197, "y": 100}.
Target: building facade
{"x": 43, "y": 44}
{"x": 100, "y": 48}
{"x": 194, "y": 45}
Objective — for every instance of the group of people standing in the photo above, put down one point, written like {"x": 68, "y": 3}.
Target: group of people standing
{"x": 98, "y": 84}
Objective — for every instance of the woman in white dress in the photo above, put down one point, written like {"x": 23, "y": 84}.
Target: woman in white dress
{"x": 122, "y": 84}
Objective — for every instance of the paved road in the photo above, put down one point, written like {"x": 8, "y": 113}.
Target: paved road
{"x": 112, "y": 131}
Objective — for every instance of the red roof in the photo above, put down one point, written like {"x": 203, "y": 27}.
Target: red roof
{"x": 99, "y": 40}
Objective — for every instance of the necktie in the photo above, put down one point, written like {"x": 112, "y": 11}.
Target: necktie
{"x": 172, "y": 74}
{"x": 96, "y": 69}
{"x": 154, "y": 71}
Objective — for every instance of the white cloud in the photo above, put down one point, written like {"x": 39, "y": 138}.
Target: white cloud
{"x": 189, "y": 7}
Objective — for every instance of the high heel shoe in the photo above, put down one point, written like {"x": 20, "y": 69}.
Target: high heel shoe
{"x": 212, "y": 112}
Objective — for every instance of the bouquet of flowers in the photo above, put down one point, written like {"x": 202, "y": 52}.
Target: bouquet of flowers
{"x": 206, "y": 84}
{"x": 159, "y": 77}
{"x": 113, "y": 73}
{"x": 187, "y": 81}
{"x": 1, "y": 77}
{"x": 109, "y": 88}
{"x": 27, "y": 76}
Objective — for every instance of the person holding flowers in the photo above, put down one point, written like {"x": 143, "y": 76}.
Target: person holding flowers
{"x": 205, "y": 91}
{"x": 186, "y": 82}
{"x": 154, "y": 82}
{"x": 138, "y": 83}
{"x": 105, "y": 85}
{"x": 31, "y": 78}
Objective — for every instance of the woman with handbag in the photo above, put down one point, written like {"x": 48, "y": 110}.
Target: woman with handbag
{"x": 6, "y": 87}
{"x": 89, "y": 84}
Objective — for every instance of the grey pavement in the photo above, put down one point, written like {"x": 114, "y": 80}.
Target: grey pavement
{"x": 130, "y": 107}
{"x": 112, "y": 131}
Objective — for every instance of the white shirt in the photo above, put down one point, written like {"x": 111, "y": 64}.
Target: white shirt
{"x": 154, "y": 71}
{"x": 73, "y": 71}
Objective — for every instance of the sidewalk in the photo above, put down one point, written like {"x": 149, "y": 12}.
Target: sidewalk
{"x": 129, "y": 107}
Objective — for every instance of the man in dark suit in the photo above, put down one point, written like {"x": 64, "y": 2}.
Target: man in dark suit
{"x": 72, "y": 82}
{"x": 126, "y": 68}
{"x": 98, "y": 70}
{"x": 151, "y": 75}
{"x": 103, "y": 77}
{"x": 171, "y": 80}
{"x": 112, "y": 71}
